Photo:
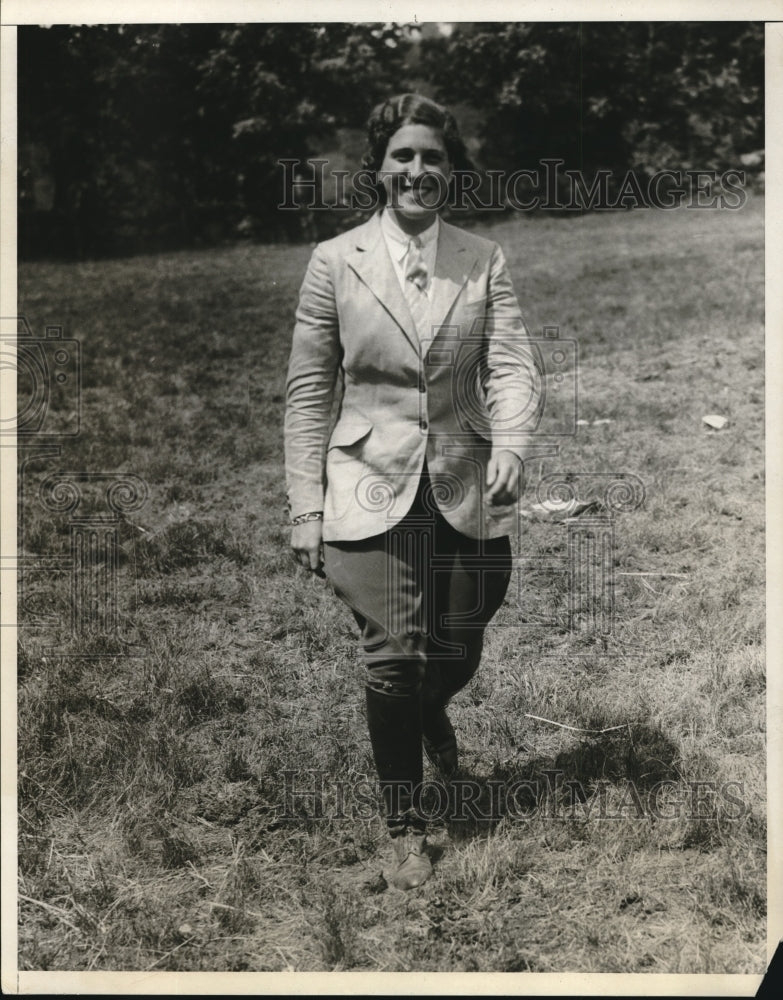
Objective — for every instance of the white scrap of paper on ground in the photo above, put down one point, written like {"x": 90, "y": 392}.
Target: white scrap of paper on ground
{"x": 551, "y": 508}
{"x": 716, "y": 421}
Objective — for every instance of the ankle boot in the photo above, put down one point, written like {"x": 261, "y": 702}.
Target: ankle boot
{"x": 412, "y": 863}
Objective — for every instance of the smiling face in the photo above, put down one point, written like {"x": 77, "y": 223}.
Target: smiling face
{"x": 415, "y": 174}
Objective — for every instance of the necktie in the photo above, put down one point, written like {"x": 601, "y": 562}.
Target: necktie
{"x": 415, "y": 283}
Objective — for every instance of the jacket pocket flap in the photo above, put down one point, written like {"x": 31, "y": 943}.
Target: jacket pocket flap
{"x": 349, "y": 431}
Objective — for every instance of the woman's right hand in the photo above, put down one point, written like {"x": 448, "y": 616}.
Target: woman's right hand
{"x": 307, "y": 546}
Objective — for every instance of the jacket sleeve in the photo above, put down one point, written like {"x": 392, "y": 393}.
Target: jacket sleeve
{"x": 512, "y": 376}
{"x": 310, "y": 387}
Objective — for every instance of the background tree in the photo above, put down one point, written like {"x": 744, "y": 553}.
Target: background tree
{"x": 139, "y": 137}
{"x": 148, "y": 137}
{"x": 617, "y": 96}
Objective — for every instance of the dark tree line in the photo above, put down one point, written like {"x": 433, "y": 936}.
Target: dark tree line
{"x": 138, "y": 137}
{"x": 617, "y": 96}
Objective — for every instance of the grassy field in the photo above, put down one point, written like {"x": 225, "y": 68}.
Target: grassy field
{"x": 154, "y": 827}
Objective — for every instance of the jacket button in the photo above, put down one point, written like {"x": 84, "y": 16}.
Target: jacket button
{"x": 423, "y": 424}
{"x": 422, "y": 387}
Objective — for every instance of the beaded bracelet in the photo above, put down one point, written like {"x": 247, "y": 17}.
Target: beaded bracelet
{"x": 315, "y": 515}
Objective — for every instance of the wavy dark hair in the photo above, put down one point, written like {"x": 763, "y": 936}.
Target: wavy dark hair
{"x": 412, "y": 109}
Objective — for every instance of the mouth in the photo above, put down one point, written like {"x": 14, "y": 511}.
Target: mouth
{"x": 420, "y": 185}
{"x": 425, "y": 195}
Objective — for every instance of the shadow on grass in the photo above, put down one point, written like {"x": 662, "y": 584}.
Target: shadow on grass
{"x": 635, "y": 759}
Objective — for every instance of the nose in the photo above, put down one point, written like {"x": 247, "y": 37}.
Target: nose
{"x": 416, "y": 166}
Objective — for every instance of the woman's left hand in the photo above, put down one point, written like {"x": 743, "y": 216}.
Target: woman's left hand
{"x": 504, "y": 476}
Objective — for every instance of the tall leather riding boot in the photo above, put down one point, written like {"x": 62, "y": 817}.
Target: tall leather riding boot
{"x": 394, "y": 721}
{"x": 446, "y": 677}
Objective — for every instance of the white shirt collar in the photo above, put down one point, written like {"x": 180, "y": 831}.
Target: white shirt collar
{"x": 400, "y": 239}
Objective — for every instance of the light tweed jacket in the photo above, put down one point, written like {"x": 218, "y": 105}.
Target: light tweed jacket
{"x": 471, "y": 387}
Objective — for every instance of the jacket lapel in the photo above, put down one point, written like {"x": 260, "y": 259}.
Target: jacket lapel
{"x": 453, "y": 265}
{"x": 371, "y": 261}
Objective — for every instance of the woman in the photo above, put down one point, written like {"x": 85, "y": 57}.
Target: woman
{"x": 407, "y": 505}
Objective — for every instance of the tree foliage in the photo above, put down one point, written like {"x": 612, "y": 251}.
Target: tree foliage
{"x": 157, "y": 136}
{"x": 618, "y": 96}
{"x": 138, "y": 137}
